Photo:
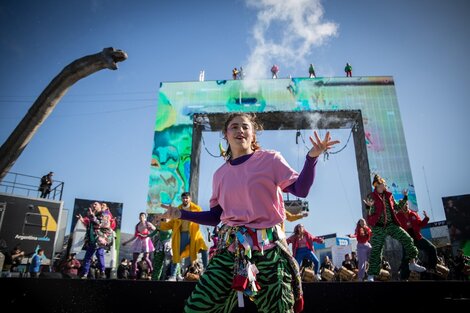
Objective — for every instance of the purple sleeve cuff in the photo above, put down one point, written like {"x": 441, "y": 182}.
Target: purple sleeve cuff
{"x": 211, "y": 217}
{"x": 301, "y": 186}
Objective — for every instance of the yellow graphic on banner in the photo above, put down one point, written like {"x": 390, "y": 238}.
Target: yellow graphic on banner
{"x": 48, "y": 223}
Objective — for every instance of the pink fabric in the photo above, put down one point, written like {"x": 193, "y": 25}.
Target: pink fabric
{"x": 302, "y": 242}
{"x": 142, "y": 243}
{"x": 251, "y": 193}
{"x": 294, "y": 240}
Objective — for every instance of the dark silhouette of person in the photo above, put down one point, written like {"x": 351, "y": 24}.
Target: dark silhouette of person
{"x": 46, "y": 184}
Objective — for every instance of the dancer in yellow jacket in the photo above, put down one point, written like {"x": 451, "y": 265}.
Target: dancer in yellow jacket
{"x": 187, "y": 239}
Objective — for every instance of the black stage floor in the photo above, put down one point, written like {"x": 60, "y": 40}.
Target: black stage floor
{"x": 102, "y": 296}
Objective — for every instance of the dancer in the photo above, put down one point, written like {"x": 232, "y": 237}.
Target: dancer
{"x": 186, "y": 237}
{"x": 142, "y": 243}
{"x": 362, "y": 234}
{"x": 162, "y": 254}
{"x": 381, "y": 207}
{"x": 302, "y": 247}
{"x": 99, "y": 237}
{"x": 412, "y": 223}
{"x": 247, "y": 199}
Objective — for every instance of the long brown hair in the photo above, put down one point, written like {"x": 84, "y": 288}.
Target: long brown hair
{"x": 297, "y": 230}
{"x": 358, "y": 224}
{"x": 256, "y": 127}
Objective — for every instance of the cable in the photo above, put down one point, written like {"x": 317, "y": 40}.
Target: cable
{"x": 327, "y": 154}
{"x": 109, "y": 111}
{"x": 81, "y": 101}
{"x": 91, "y": 94}
{"x": 305, "y": 144}
{"x": 91, "y": 113}
{"x": 207, "y": 150}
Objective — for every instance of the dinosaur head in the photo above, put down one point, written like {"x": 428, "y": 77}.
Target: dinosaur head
{"x": 113, "y": 56}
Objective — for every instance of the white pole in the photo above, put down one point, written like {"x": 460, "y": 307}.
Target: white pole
{"x": 429, "y": 196}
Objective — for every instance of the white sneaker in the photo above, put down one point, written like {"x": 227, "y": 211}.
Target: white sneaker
{"x": 370, "y": 278}
{"x": 416, "y": 268}
{"x": 179, "y": 278}
{"x": 318, "y": 277}
{"x": 171, "y": 278}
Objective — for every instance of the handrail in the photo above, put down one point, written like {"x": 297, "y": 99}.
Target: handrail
{"x": 23, "y": 184}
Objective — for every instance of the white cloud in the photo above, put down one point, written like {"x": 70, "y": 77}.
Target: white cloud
{"x": 285, "y": 33}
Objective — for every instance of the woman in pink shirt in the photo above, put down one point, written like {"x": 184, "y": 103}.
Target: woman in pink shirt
{"x": 142, "y": 243}
{"x": 252, "y": 257}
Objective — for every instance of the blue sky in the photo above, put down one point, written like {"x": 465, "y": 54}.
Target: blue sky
{"x": 98, "y": 140}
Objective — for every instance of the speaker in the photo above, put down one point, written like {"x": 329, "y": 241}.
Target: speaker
{"x": 54, "y": 275}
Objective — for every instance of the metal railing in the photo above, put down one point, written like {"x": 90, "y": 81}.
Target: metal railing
{"x": 27, "y": 185}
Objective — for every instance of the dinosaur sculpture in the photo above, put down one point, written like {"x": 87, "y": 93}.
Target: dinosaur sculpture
{"x": 48, "y": 99}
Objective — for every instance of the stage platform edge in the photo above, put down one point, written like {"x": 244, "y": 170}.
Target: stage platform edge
{"x": 111, "y": 296}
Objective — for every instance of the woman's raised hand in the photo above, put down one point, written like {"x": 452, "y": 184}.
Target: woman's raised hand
{"x": 320, "y": 146}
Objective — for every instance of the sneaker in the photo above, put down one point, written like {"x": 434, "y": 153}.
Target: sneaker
{"x": 179, "y": 278}
{"x": 370, "y": 278}
{"x": 416, "y": 268}
{"x": 171, "y": 278}
{"x": 318, "y": 277}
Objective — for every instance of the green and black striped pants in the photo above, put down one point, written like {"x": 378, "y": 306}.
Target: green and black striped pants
{"x": 377, "y": 241}
{"x": 213, "y": 292}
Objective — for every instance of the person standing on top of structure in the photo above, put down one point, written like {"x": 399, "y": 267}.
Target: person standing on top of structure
{"x": 46, "y": 184}
{"x": 241, "y": 74}
{"x": 235, "y": 73}
{"x": 348, "y": 70}
{"x": 311, "y": 71}
{"x": 274, "y": 71}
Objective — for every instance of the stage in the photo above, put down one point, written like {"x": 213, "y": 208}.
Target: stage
{"x": 102, "y": 296}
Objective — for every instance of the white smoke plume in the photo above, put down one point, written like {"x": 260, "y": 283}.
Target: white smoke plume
{"x": 285, "y": 33}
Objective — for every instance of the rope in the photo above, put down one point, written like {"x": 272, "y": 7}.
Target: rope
{"x": 207, "y": 150}
{"x": 326, "y": 154}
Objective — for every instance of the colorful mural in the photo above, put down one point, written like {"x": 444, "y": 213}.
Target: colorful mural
{"x": 179, "y": 101}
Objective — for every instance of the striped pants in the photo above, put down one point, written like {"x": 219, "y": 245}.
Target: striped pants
{"x": 213, "y": 292}
{"x": 378, "y": 240}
